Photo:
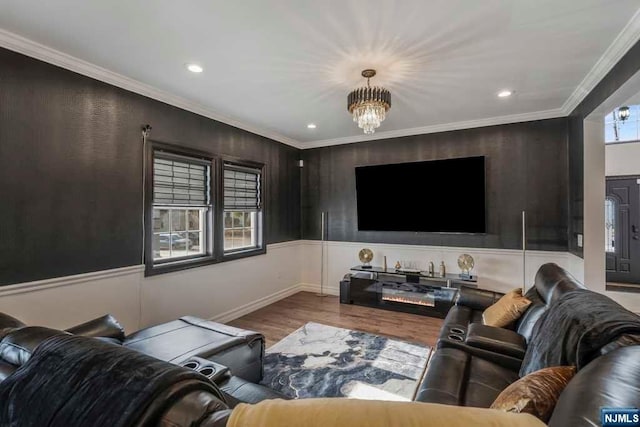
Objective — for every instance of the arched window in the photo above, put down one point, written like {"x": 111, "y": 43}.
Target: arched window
{"x": 610, "y": 214}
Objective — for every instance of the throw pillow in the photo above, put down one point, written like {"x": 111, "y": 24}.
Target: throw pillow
{"x": 536, "y": 393}
{"x": 507, "y": 310}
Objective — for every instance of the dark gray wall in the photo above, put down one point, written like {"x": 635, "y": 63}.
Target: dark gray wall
{"x": 526, "y": 169}
{"x": 71, "y": 178}
{"x": 71, "y": 170}
{"x": 619, "y": 74}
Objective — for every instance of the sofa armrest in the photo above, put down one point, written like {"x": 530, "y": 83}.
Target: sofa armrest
{"x": 445, "y": 378}
{"x": 497, "y": 340}
{"x": 504, "y": 360}
{"x": 199, "y": 407}
{"x": 236, "y": 390}
{"x": 18, "y": 345}
{"x": 477, "y": 299}
{"x": 103, "y": 327}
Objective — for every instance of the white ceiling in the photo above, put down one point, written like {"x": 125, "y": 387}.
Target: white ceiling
{"x": 274, "y": 66}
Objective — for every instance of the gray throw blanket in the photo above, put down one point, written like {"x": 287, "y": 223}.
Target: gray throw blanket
{"x": 574, "y": 329}
{"x": 77, "y": 381}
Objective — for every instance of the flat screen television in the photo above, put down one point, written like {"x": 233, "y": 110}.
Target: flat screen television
{"x": 433, "y": 196}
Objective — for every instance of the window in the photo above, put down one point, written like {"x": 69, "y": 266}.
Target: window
{"x": 200, "y": 210}
{"x": 181, "y": 208}
{"x": 618, "y": 129}
{"x": 242, "y": 207}
{"x": 239, "y": 230}
{"x": 610, "y": 224}
{"x": 178, "y": 232}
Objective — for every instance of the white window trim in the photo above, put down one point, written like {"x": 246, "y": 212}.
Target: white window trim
{"x": 255, "y": 228}
{"x": 203, "y": 232}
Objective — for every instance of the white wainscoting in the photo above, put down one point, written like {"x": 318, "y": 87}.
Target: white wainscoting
{"x": 66, "y": 301}
{"x": 497, "y": 269}
{"x": 221, "y": 291}
{"x": 226, "y": 291}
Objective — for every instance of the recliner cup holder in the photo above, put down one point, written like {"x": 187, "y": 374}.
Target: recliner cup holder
{"x": 456, "y": 337}
{"x": 207, "y": 371}
{"x": 192, "y": 364}
{"x": 458, "y": 331}
{"x": 208, "y": 368}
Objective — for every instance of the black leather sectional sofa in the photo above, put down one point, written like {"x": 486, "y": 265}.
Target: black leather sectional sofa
{"x": 473, "y": 363}
{"x": 195, "y": 343}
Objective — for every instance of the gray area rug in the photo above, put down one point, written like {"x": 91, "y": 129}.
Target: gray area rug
{"x": 324, "y": 361}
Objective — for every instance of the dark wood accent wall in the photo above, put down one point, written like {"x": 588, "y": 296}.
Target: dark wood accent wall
{"x": 526, "y": 169}
{"x": 619, "y": 74}
{"x": 71, "y": 170}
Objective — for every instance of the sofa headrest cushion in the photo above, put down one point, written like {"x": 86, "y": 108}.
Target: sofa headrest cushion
{"x": 8, "y": 323}
{"x": 552, "y": 281}
{"x": 104, "y": 327}
{"x": 17, "y": 346}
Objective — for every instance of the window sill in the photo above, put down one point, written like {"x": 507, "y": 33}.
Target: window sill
{"x": 244, "y": 253}
{"x": 168, "y": 267}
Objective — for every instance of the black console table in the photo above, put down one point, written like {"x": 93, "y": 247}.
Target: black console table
{"x": 408, "y": 291}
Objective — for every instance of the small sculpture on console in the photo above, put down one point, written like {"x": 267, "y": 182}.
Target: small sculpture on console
{"x": 466, "y": 264}
{"x": 443, "y": 269}
{"x": 366, "y": 256}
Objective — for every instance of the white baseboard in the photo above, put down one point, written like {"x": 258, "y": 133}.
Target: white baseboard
{"x": 314, "y": 287}
{"x": 237, "y": 312}
{"x": 245, "y": 309}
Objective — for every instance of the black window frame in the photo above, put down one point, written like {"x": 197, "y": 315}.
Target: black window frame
{"x": 215, "y": 227}
{"x": 261, "y": 248}
{"x": 158, "y": 267}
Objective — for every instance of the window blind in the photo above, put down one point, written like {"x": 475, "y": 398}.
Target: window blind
{"x": 180, "y": 181}
{"x": 241, "y": 188}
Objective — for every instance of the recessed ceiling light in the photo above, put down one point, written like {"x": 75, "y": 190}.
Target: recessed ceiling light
{"x": 195, "y": 68}
{"x": 504, "y": 93}
{"x": 311, "y": 126}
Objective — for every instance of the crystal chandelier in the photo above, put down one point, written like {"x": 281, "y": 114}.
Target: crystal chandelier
{"x": 369, "y": 105}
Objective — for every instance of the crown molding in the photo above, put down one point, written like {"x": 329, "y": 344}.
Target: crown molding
{"x": 468, "y": 124}
{"x": 629, "y": 35}
{"x": 44, "y": 53}
{"x": 624, "y": 41}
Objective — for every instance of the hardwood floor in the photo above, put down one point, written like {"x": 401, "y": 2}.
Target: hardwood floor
{"x": 279, "y": 319}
